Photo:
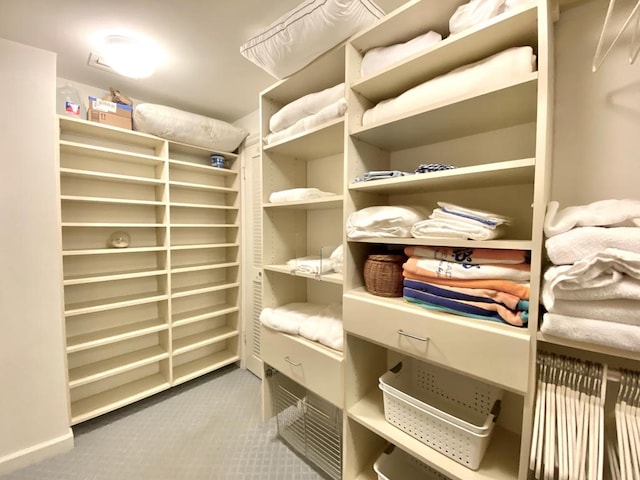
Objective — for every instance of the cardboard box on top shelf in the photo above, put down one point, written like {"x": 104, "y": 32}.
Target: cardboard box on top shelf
{"x": 110, "y": 113}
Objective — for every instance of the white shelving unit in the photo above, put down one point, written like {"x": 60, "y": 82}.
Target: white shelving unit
{"x": 499, "y": 141}
{"x": 165, "y": 309}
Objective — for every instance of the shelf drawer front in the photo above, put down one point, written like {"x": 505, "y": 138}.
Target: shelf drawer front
{"x": 313, "y": 367}
{"x": 493, "y": 355}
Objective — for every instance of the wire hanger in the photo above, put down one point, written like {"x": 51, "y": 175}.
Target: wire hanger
{"x": 634, "y": 49}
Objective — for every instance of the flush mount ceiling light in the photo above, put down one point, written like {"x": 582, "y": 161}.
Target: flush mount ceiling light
{"x": 130, "y": 57}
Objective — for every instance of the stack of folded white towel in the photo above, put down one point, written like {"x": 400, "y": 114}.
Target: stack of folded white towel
{"x": 454, "y": 221}
{"x": 307, "y": 112}
{"x": 592, "y": 293}
{"x": 319, "y": 323}
{"x": 316, "y": 264}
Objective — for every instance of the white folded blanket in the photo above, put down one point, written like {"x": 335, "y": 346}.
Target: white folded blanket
{"x": 319, "y": 323}
{"x": 313, "y": 265}
{"x": 287, "y": 318}
{"x": 330, "y": 112}
{"x": 383, "y": 221}
{"x": 624, "y": 286}
{"x": 578, "y": 243}
{"x": 615, "y": 335}
{"x": 604, "y": 213}
{"x": 620, "y": 310}
{"x": 599, "y": 270}
{"x": 379, "y": 58}
{"x": 305, "y": 106}
{"x": 454, "y": 229}
{"x": 298, "y": 194}
{"x": 492, "y": 72}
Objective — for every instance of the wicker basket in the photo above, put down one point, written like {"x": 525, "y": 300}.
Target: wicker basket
{"x": 383, "y": 275}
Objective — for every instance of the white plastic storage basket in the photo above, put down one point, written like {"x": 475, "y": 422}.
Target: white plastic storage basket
{"x": 449, "y": 412}
{"x": 396, "y": 464}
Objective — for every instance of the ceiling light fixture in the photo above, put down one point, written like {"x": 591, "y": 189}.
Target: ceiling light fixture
{"x": 130, "y": 57}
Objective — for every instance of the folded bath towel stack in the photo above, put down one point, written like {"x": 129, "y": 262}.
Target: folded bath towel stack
{"x": 453, "y": 221}
{"x": 592, "y": 293}
{"x": 480, "y": 283}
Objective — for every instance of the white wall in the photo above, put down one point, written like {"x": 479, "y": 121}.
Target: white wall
{"x": 597, "y": 115}
{"x": 34, "y": 420}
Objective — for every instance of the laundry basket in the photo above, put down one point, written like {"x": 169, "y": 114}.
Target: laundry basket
{"x": 383, "y": 275}
{"x": 396, "y": 464}
{"x": 449, "y": 412}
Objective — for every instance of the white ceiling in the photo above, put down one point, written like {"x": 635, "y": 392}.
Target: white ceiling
{"x": 204, "y": 71}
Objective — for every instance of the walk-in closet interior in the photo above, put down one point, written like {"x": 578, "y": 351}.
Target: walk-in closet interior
{"x": 421, "y": 235}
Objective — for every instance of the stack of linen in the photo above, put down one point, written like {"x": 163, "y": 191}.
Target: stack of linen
{"x": 306, "y": 113}
{"x": 592, "y": 293}
{"x": 482, "y": 283}
{"x": 453, "y": 221}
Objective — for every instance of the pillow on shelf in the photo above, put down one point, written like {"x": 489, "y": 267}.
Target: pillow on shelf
{"x": 304, "y": 33}
{"x": 185, "y": 127}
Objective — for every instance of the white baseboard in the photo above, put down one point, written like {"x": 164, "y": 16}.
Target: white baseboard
{"x": 36, "y": 453}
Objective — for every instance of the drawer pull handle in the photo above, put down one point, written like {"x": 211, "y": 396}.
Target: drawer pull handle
{"x": 411, "y": 335}
{"x": 288, "y": 360}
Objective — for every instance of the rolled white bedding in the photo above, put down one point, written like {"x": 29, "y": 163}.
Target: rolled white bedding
{"x": 491, "y": 72}
{"x": 305, "y": 106}
{"x": 379, "y": 58}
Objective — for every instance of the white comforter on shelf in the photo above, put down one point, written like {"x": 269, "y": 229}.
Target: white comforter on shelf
{"x": 298, "y": 194}
{"x": 319, "y": 323}
{"x": 379, "y": 58}
{"x": 330, "y": 112}
{"x": 492, "y": 72}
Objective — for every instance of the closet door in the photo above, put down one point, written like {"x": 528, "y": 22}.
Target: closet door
{"x": 252, "y": 253}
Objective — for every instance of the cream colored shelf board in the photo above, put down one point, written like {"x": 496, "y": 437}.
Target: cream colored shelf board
{"x": 200, "y": 186}
{"x": 499, "y": 463}
{"x": 325, "y": 277}
{"x": 116, "y": 334}
{"x": 195, "y": 150}
{"x": 113, "y": 224}
{"x": 193, "y": 342}
{"x": 311, "y": 204}
{"x": 322, "y": 141}
{"x": 109, "y": 251}
{"x": 112, "y": 366}
{"x": 112, "y": 303}
{"x": 204, "y": 246}
{"x": 439, "y": 242}
{"x": 204, "y": 225}
{"x": 109, "y": 177}
{"x": 591, "y": 347}
{"x": 115, "y": 201}
{"x": 517, "y": 28}
{"x": 200, "y": 168}
{"x": 202, "y": 205}
{"x": 76, "y": 148}
{"x": 199, "y": 367}
{"x": 115, "y": 398}
{"x": 204, "y": 313}
{"x": 100, "y": 130}
{"x": 107, "y": 277}
{"x": 197, "y": 267}
{"x": 468, "y": 115}
{"x": 207, "y": 287}
{"x": 512, "y": 172}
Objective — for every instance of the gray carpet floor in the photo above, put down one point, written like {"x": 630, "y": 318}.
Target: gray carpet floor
{"x": 207, "y": 429}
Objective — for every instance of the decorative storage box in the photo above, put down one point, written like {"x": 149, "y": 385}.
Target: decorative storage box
{"x": 396, "y": 464}
{"x": 383, "y": 275}
{"x": 449, "y": 412}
